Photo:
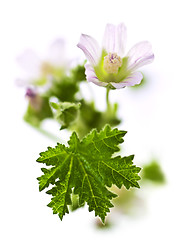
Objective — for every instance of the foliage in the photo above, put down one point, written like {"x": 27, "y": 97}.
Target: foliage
{"x": 35, "y": 115}
{"x": 88, "y": 168}
{"x": 153, "y": 172}
{"x": 66, "y": 113}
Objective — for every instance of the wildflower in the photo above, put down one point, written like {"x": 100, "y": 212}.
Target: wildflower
{"x": 109, "y": 66}
{"x": 34, "y": 99}
{"x": 39, "y": 72}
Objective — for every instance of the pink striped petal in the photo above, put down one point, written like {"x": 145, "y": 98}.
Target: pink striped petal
{"x": 140, "y": 55}
{"x": 90, "y": 48}
{"x": 133, "y": 79}
{"x": 114, "y": 40}
{"x": 91, "y": 76}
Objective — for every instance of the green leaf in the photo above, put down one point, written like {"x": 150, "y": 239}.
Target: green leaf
{"x": 64, "y": 89}
{"x": 87, "y": 168}
{"x": 90, "y": 117}
{"x": 38, "y": 111}
{"x": 66, "y": 112}
{"x": 153, "y": 172}
{"x": 78, "y": 73}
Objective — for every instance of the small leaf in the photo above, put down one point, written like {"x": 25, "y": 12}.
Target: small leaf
{"x": 66, "y": 113}
{"x": 64, "y": 89}
{"x": 153, "y": 172}
{"x": 78, "y": 73}
{"x": 90, "y": 117}
{"x": 54, "y": 105}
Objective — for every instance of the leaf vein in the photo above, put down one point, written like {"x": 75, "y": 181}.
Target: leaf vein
{"x": 118, "y": 173}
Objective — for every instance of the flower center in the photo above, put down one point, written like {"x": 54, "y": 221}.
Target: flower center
{"x": 112, "y": 62}
{"x": 46, "y": 68}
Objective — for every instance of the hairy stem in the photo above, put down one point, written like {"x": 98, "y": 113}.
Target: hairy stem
{"x": 107, "y": 100}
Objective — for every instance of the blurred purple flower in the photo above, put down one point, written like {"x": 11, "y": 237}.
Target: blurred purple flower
{"x": 34, "y": 99}
{"x": 109, "y": 66}
{"x": 38, "y": 72}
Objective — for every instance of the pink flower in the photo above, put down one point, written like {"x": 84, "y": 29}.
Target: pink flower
{"x": 109, "y": 66}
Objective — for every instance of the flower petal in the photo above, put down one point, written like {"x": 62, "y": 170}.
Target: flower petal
{"x": 121, "y": 39}
{"x": 91, "y": 76}
{"x": 90, "y": 48}
{"x": 56, "y": 53}
{"x": 140, "y": 55}
{"x": 23, "y": 82}
{"x": 30, "y": 62}
{"x": 114, "y": 40}
{"x": 133, "y": 79}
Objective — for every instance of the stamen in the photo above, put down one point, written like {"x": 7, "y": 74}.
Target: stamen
{"x": 112, "y": 62}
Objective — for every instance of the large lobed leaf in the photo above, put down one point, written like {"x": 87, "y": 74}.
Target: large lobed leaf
{"x": 88, "y": 168}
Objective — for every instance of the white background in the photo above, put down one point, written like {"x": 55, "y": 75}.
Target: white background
{"x": 154, "y": 116}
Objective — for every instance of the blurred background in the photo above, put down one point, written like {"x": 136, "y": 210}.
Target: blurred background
{"x": 154, "y": 115}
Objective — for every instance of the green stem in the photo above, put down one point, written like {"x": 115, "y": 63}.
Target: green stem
{"x": 107, "y": 100}
{"x": 47, "y": 134}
